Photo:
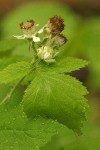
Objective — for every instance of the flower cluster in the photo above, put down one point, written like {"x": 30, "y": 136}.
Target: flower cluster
{"x": 46, "y": 41}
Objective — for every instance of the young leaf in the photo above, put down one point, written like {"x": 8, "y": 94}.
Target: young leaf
{"x": 65, "y": 65}
{"x": 14, "y": 72}
{"x": 62, "y": 66}
{"x": 19, "y": 133}
{"x": 57, "y": 96}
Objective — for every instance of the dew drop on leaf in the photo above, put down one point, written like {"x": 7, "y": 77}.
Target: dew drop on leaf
{"x": 5, "y": 110}
{"x": 20, "y": 104}
{"x": 23, "y": 113}
{"x": 42, "y": 123}
{"x": 5, "y": 128}
{"x": 14, "y": 119}
{"x": 55, "y": 131}
{"x": 9, "y": 122}
{"x": 11, "y": 146}
{"x": 44, "y": 141}
{"x": 37, "y": 147}
{"x": 23, "y": 116}
{"x": 16, "y": 142}
{"x": 7, "y": 141}
{"x": 34, "y": 119}
{"x": 61, "y": 127}
{"x": 52, "y": 121}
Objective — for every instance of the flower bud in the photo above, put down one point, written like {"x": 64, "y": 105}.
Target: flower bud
{"x": 45, "y": 52}
{"x": 61, "y": 39}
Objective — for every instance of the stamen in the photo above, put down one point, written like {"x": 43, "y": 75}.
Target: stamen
{"x": 21, "y": 25}
{"x": 28, "y": 25}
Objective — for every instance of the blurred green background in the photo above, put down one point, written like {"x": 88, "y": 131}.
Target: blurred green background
{"x": 82, "y": 28}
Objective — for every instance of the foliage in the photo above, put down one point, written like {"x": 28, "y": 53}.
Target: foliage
{"x": 14, "y": 72}
{"x": 53, "y": 92}
{"x": 89, "y": 141}
{"x": 48, "y": 99}
{"x": 18, "y": 132}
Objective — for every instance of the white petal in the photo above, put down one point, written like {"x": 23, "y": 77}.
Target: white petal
{"x": 41, "y": 31}
{"x": 37, "y": 25}
{"x": 36, "y": 39}
{"x": 47, "y": 55}
{"x": 20, "y": 37}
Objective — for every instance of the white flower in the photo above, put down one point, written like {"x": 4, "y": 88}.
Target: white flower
{"x": 28, "y": 29}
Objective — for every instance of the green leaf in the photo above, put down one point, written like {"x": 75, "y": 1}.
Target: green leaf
{"x": 58, "y": 96}
{"x": 5, "y": 61}
{"x": 64, "y": 65}
{"x": 19, "y": 133}
{"x": 14, "y": 72}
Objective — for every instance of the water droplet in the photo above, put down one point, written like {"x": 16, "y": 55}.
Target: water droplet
{"x": 16, "y": 142}
{"x": 23, "y": 113}
{"x": 9, "y": 122}
{"x": 7, "y": 141}
{"x": 84, "y": 109}
{"x": 11, "y": 146}
{"x": 5, "y": 110}
{"x": 52, "y": 121}
{"x": 34, "y": 119}
{"x": 55, "y": 130}
{"x": 20, "y": 104}
{"x": 14, "y": 119}
{"x": 5, "y": 128}
{"x": 61, "y": 127}
{"x": 23, "y": 116}
{"x": 37, "y": 147}
{"x": 44, "y": 141}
